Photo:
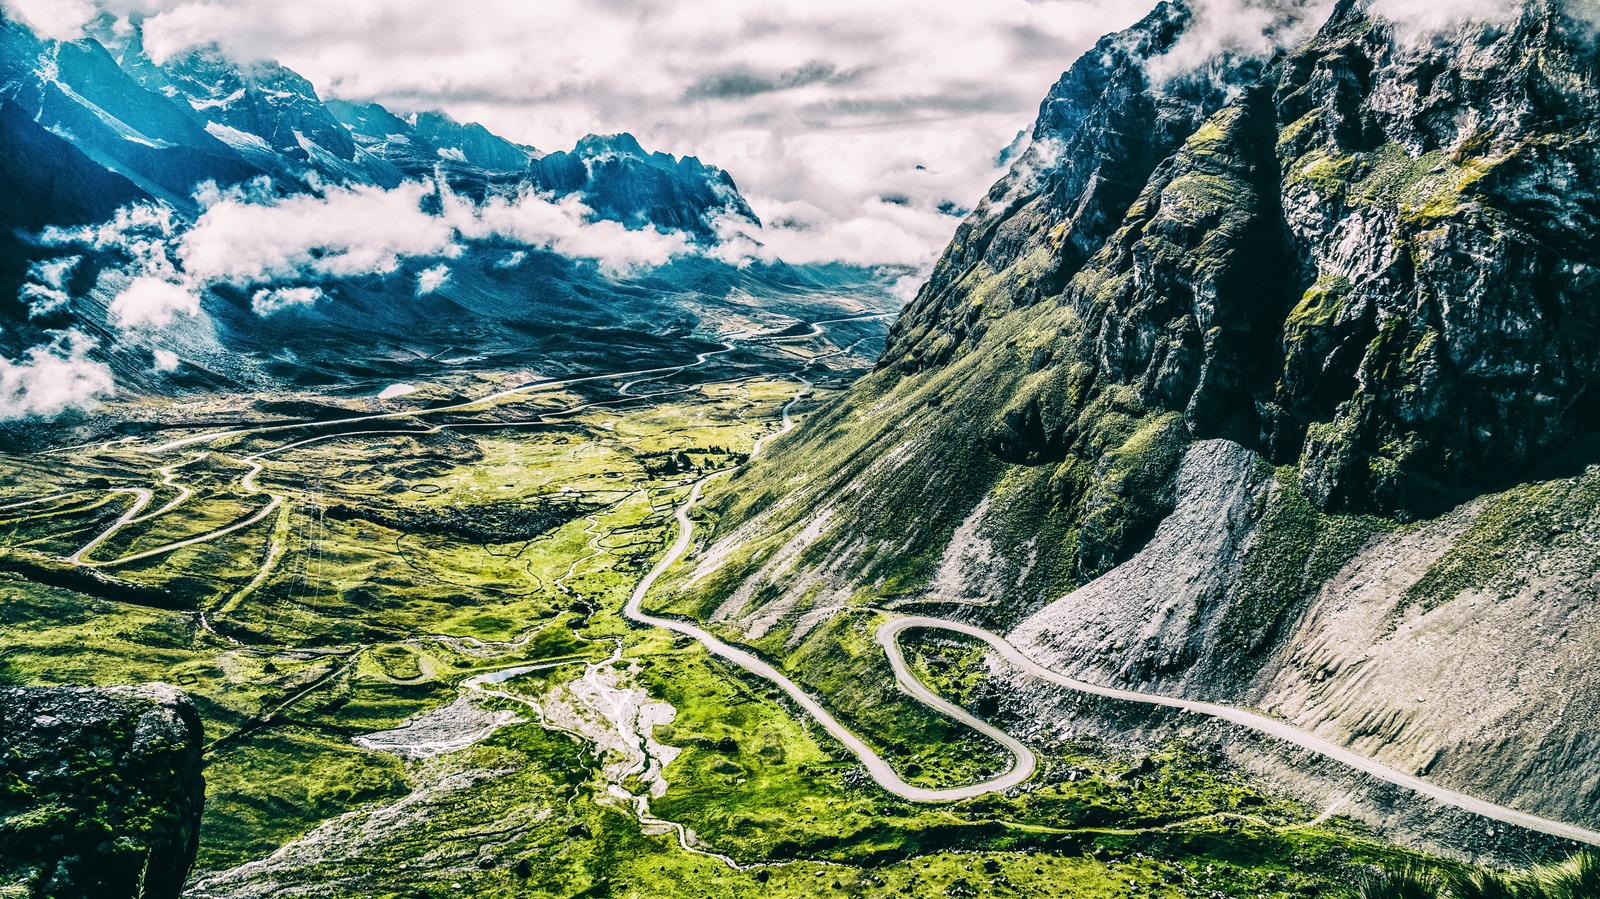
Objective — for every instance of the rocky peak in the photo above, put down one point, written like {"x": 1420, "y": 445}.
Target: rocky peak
{"x": 1370, "y": 256}
{"x": 1101, "y": 131}
{"x": 100, "y": 791}
{"x": 621, "y": 181}
{"x": 261, "y": 98}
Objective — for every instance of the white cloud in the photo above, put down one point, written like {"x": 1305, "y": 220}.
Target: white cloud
{"x": 54, "y": 272}
{"x": 149, "y": 303}
{"x": 829, "y": 102}
{"x": 245, "y": 239}
{"x": 144, "y": 234}
{"x": 250, "y": 237}
{"x": 42, "y": 300}
{"x": 58, "y": 19}
{"x": 431, "y": 279}
{"x": 46, "y": 288}
{"x": 49, "y": 380}
{"x": 883, "y": 234}
{"x": 1241, "y": 27}
{"x": 163, "y": 360}
{"x": 563, "y": 227}
{"x": 1422, "y": 17}
{"x": 269, "y": 302}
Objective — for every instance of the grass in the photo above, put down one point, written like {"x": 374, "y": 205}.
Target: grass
{"x": 1576, "y": 878}
{"x": 346, "y": 634}
{"x": 1555, "y": 515}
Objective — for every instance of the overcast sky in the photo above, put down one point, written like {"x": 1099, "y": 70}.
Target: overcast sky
{"x": 851, "y": 122}
{"x": 820, "y": 109}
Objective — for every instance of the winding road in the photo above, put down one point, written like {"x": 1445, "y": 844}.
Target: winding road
{"x": 1023, "y": 759}
{"x": 143, "y": 496}
{"x": 1024, "y": 762}
{"x": 700, "y": 359}
{"x": 888, "y": 636}
{"x": 132, "y": 516}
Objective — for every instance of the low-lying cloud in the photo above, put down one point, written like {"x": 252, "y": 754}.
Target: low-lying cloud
{"x": 429, "y": 280}
{"x": 250, "y": 238}
{"x": 1241, "y": 28}
{"x": 150, "y": 303}
{"x": 247, "y": 237}
{"x": 55, "y": 378}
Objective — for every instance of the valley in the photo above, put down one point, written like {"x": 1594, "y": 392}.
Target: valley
{"x": 420, "y": 647}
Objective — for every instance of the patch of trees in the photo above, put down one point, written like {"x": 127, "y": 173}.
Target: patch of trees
{"x": 483, "y": 523}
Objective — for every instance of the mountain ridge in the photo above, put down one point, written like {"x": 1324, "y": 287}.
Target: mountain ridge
{"x": 118, "y": 168}
{"x": 1352, "y": 266}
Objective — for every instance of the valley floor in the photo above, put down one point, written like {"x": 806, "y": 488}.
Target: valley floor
{"x": 416, "y": 630}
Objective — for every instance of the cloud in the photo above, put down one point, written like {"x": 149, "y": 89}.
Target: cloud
{"x": 1420, "y": 18}
{"x": 825, "y": 102}
{"x": 52, "y": 379}
{"x": 272, "y": 301}
{"x": 1244, "y": 28}
{"x": 250, "y": 237}
{"x": 149, "y": 303}
{"x": 61, "y": 20}
{"x": 742, "y": 82}
{"x": 163, "y": 360}
{"x": 46, "y": 288}
{"x": 431, "y": 279}
{"x": 143, "y": 235}
{"x": 42, "y": 300}
{"x": 243, "y": 238}
{"x": 884, "y": 234}
{"x": 564, "y": 227}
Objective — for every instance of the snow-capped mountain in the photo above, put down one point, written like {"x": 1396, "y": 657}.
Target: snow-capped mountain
{"x": 224, "y": 215}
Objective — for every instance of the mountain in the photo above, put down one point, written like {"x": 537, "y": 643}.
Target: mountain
{"x": 422, "y": 144}
{"x": 1271, "y": 382}
{"x": 622, "y": 182}
{"x": 103, "y": 789}
{"x": 118, "y": 168}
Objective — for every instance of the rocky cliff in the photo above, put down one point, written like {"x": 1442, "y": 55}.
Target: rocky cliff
{"x": 1289, "y": 358}
{"x": 1375, "y": 261}
{"x": 100, "y": 791}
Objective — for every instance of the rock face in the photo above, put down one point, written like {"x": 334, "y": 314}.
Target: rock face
{"x": 100, "y": 791}
{"x": 1263, "y": 381}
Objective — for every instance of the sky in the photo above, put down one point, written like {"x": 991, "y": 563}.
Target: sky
{"x": 854, "y": 121}
{"x": 859, "y": 130}
{"x": 864, "y": 127}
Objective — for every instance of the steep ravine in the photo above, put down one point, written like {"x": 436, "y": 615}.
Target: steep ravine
{"x": 1269, "y": 384}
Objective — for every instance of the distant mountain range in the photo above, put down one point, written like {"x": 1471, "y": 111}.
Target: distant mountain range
{"x": 416, "y": 233}
{"x": 166, "y": 128}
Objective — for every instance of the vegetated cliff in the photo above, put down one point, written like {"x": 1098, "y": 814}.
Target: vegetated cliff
{"x": 1323, "y": 304}
{"x": 100, "y": 791}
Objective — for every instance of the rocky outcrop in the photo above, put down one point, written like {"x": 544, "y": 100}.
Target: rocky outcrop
{"x": 1459, "y": 649}
{"x": 1375, "y": 261}
{"x": 100, "y": 791}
